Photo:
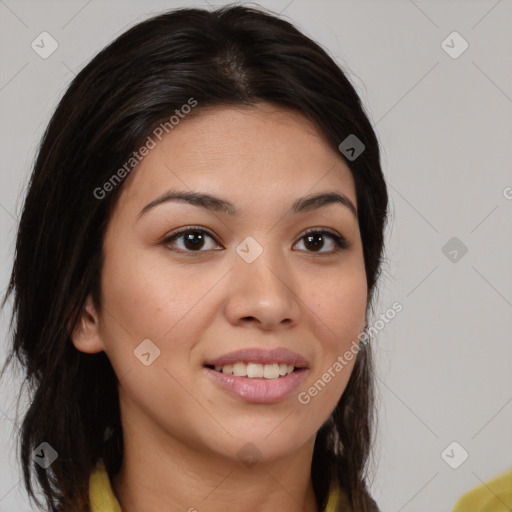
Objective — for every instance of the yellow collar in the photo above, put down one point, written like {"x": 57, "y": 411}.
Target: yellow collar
{"x": 102, "y": 498}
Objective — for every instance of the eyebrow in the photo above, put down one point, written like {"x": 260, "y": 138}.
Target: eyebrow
{"x": 209, "y": 202}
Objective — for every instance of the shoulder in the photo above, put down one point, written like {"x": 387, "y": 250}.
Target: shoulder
{"x": 492, "y": 496}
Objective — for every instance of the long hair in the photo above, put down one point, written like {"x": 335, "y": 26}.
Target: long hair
{"x": 233, "y": 55}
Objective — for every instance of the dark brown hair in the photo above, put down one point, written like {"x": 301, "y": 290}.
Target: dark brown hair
{"x": 229, "y": 56}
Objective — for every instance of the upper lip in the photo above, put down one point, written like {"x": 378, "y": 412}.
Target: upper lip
{"x": 279, "y": 355}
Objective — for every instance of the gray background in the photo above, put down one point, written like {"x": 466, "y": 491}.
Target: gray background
{"x": 445, "y": 125}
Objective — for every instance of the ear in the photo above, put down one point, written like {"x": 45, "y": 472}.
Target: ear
{"x": 86, "y": 335}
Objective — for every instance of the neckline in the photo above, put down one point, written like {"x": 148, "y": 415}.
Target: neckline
{"x": 103, "y": 499}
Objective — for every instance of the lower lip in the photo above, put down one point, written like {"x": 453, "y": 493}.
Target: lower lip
{"x": 263, "y": 391}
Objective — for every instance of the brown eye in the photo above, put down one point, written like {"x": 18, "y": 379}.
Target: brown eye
{"x": 193, "y": 240}
{"x": 316, "y": 239}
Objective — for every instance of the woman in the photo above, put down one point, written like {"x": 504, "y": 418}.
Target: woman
{"x": 195, "y": 268}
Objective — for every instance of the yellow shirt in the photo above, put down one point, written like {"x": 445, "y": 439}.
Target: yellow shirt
{"x": 493, "y": 496}
{"x": 103, "y": 499}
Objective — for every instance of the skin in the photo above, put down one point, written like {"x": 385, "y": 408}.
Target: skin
{"x": 182, "y": 432}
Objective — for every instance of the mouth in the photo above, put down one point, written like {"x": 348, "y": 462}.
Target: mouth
{"x": 253, "y": 370}
{"x": 258, "y": 363}
{"x": 258, "y": 376}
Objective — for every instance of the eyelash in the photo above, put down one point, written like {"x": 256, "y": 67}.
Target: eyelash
{"x": 340, "y": 241}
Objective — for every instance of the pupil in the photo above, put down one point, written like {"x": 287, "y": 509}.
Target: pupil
{"x": 189, "y": 239}
{"x": 318, "y": 244}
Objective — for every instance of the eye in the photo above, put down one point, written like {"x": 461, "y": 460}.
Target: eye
{"x": 316, "y": 237}
{"x": 194, "y": 239}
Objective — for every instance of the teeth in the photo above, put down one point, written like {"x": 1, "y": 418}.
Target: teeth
{"x": 240, "y": 370}
{"x": 271, "y": 371}
{"x": 256, "y": 370}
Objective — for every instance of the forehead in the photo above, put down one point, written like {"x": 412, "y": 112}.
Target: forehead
{"x": 245, "y": 153}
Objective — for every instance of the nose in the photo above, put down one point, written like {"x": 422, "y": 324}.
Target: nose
{"x": 263, "y": 293}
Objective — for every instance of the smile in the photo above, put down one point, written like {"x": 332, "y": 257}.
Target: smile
{"x": 256, "y": 370}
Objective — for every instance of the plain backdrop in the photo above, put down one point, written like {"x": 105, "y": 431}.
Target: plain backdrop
{"x": 444, "y": 120}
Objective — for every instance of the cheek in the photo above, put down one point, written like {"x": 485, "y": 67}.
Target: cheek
{"x": 339, "y": 308}
{"x": 145, "y": 295}
{"x": 339, "y": 313}
{"x": 339, "y": 318}
{"x": 145, "y": 300}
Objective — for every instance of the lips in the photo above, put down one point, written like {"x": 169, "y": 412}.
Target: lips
{"x": 270, "y": 389}
{"x": 261, "y": 356}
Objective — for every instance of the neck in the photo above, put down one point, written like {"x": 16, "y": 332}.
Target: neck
{"x": 162, "y": 473}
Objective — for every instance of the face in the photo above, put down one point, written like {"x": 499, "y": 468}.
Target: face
{"x": 257, "y": 275}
